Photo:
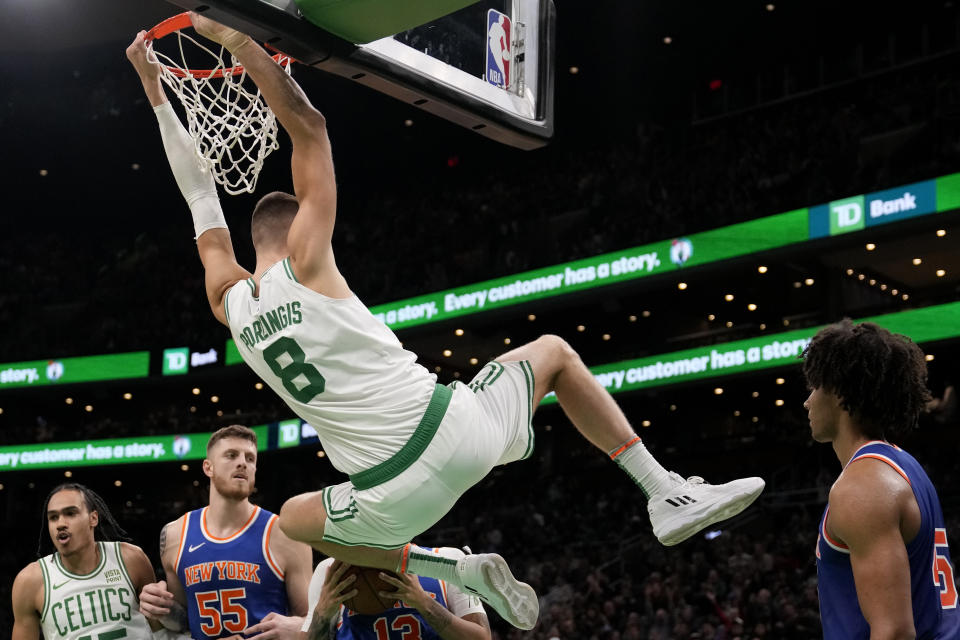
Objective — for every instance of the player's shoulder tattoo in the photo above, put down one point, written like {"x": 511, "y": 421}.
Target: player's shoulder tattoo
{"x": 163, "y": 535}
{"x": 163, "y": 538}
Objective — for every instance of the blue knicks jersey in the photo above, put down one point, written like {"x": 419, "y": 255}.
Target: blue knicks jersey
{"x": 231, "y": 583}
{"x": 932, "y": 585}
{"x": 400, "y": 623}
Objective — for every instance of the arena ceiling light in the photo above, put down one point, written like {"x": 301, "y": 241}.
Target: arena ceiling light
{"x": 871, "y": 246}
{"x": 728, "y": 297}
{"x": 762, "y": 269}
{"x": 941, "y": 233}
{"x": 941, "y": 273}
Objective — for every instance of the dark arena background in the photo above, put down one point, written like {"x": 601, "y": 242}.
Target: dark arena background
{"x": 727, "y": 129}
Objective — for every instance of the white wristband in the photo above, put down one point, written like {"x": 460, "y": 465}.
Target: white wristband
{"x": 196, "y": 184}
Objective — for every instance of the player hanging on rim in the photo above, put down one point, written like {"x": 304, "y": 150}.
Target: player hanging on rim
{"x": 87, "y": 586}
{"x": 411, "y": 447}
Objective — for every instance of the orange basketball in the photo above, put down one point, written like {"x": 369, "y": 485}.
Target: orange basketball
{"x": 368, "y": 585}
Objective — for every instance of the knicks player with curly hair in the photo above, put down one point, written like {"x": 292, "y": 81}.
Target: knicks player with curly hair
{"x": 883, "y": 529}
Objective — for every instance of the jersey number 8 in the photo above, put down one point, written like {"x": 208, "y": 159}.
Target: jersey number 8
{"x": 296, "y": 367}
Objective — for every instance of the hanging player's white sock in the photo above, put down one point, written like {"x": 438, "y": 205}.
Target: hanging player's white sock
{"x": 642, "y": 467}
{"x": 440, "y": 563}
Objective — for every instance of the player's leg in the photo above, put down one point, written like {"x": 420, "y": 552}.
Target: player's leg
{"x": 304, "y": 517}
{"x": 678, "y": 508}
{"x": 486, "y": 575}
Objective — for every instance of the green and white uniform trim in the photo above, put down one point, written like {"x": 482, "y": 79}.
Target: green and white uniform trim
{"x": 335, "y": 365}
{"x": 485, "y": 423}
{"x": 102, "y": 603}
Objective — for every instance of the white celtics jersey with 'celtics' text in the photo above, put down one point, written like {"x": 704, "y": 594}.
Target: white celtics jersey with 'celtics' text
{"x": 101, "y": 605}
{"x": 336, "y": 366}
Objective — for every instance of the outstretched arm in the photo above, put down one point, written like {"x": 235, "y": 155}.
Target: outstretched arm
{"x": 312, "y": 163}
{"x": 196, "y": 185}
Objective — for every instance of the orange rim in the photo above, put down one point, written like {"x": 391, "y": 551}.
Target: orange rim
{"x": 182, "y": 21}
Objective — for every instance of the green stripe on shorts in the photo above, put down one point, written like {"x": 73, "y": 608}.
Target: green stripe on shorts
{"x": 528, "y": 374}
{"x": 336, "y": 540}
{"x": 336, "y": 515}
{"x": 413, "y": 448}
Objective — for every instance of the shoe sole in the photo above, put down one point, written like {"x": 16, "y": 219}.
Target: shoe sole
{"x": 515, "y": 601}
{"x": 731, "y": 509}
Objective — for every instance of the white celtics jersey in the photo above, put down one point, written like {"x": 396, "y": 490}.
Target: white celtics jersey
{"x": 101, "y": 605}
{"x": 336, "y": 366}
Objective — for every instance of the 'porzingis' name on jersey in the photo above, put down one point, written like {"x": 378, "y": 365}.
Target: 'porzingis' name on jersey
{"x": 270, "y": 323}
{"x": 225, "y": 570}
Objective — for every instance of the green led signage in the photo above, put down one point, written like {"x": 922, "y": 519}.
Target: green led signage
{"x": 69, "y": 370}
{"x": 781, "y": 349}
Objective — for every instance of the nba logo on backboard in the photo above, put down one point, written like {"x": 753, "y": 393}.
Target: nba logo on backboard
{"x": 498, "y": 49}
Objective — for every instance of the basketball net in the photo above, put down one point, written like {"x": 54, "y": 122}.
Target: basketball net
{"x": 233, "y": 129}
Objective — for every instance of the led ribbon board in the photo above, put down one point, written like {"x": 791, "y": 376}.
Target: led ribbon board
{"x": 778, "y": 350}
{"x": 68, "y": 370}
{"x": 698, "y": 249}
{"x": 191, "y": 446}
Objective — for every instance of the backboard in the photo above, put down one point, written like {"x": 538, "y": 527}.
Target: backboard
{"x": 487, "y": 66}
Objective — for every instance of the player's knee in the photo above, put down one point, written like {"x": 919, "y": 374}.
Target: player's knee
{"x": 559, "y": 349}
{"x": 295, "y": 521}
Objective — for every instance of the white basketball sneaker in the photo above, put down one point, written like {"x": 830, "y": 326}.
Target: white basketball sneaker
{"x": 487, "y": 576}
{"x": 692, "y": 504}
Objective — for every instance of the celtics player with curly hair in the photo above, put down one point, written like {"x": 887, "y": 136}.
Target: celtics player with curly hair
{"x": 85, "y": 584}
